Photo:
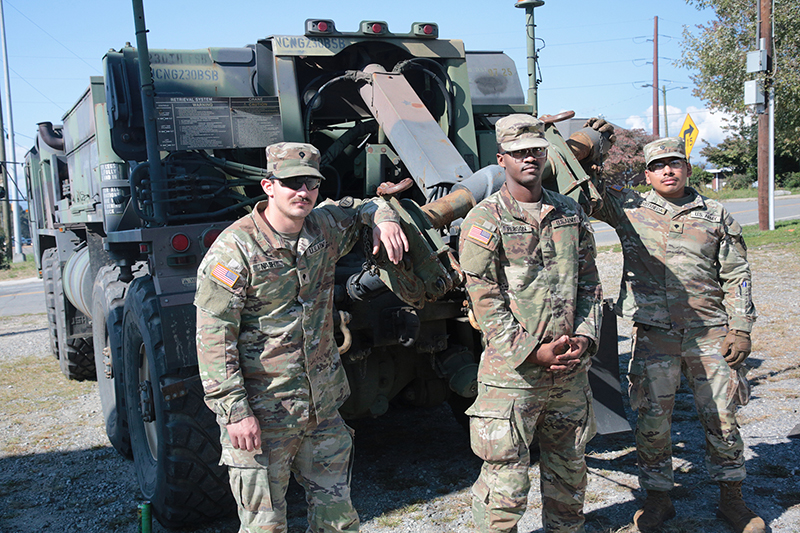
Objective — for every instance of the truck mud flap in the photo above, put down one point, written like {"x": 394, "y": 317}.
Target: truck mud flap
{"x": 609, "y": 409}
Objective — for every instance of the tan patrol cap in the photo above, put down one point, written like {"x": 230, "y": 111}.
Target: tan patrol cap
{"x": 287, "y": 160}
{"x": 520, "y": 131}
{"x": 666, "y": 147}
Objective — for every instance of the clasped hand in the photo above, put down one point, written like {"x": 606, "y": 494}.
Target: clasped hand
{"x": 561, "y": 354}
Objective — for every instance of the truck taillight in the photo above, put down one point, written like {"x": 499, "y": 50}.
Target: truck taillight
{"x": 425, "y": 29}
{"x": 320, "y": 27}
{"x": 210, "y": 236}
{"x": 374, "y": 27}
{"x": 180, "y": 242}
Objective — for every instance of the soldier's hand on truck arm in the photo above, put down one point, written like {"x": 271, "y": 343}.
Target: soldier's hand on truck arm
{"x": 602, "y": 126}
{"x": 555, "y": 356}
{"x": 736, "y": 347}
{"x": 391, "y": 235}
{"x": 245, "y": 434}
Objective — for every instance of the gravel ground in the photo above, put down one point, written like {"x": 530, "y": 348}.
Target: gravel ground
{"x": 413, "y": 467}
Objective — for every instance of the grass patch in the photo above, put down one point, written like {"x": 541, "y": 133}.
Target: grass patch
{"x": 33, "y": 388}
{"x": 26, "y": 269}
{"x": 786, "y": 232}
{"x": 36, "y": 384}
{"x": 389, "y": 520}
{"x": 617, "y": 248}
{"x": 729, "y": 194}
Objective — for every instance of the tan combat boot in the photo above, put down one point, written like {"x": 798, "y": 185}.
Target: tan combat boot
{"x": 656, "y": 510}
{"x": 735, "y": 512}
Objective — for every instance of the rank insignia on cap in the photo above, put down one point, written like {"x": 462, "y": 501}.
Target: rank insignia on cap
{"x": 225, "y": 275}
{"x": 479, "y": 234}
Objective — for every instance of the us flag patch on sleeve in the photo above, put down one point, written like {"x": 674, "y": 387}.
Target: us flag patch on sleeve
{"x": 225, "y": 275}
{"x": 478, "y": 234}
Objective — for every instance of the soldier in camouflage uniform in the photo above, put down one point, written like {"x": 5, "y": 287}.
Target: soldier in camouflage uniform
{"x": 268, "y": 360}
{"x": 686, "y": 286}
{"x": 529, "y": 259}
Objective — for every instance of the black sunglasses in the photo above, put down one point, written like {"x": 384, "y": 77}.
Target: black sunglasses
{"x": 296, "y": 182}
{"x": 525, "y": 153}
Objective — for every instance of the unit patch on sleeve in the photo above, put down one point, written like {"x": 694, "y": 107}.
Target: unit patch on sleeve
{"x": 654, "y": 207}
{"x": 225, "y": 275}
{"x": 705, "y": 215}
{"x": 565, "y": 221}
{"x": 480, "y": 235}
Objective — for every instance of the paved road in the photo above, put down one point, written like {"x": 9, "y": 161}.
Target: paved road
{"x": 22, "y": 297}
{"x": 744, "y": 211}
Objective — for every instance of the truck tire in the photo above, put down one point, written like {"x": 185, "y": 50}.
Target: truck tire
{"x": 76, "y": 356}
{"x": 108, "y": 300}
{"x": 49, "y": 265}
{"x": 175, "y": 443}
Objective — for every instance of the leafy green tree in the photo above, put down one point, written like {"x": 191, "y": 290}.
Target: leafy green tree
{"x": 699, "y": 178}
{"x": 716, "y": 53}
{"x": 737, "y": 152}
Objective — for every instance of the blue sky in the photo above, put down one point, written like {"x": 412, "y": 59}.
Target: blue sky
{"x": 596, "y": 55}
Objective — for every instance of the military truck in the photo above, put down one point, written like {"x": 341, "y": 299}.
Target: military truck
{"x": 166, "y": 149}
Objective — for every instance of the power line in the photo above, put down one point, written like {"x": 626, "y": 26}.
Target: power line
{"x": 94, "y": 67}
{"x": 35, "y": 89}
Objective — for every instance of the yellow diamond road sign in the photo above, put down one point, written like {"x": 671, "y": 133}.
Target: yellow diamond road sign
{"x": 689, "y": 133}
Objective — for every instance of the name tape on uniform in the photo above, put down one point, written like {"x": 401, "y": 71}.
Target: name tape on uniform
{"x": 566, "y": 221}
{"x": 705, "y": 215}
{"x": 655, "y": 207}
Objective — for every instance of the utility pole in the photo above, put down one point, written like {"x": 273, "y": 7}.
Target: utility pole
{"x": 12, "y": 160}
{"x": 655, "y": 78}
{"x": 765, "y": 120}
{"x": 6, "y": 201}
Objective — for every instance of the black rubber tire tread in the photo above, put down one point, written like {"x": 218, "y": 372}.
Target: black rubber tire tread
{"x": 76, "y": 357}
{"x": 108, "y": 300}
{"x": 49, "y": 264}
{"x": 182, "y": 478}
{"x": 80, "y": 360}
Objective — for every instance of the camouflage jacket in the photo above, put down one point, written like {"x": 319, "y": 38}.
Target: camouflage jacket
{"x": 685, "y": 266}
{"x": 264, "y": 315}
{"x": 528, "y": 283}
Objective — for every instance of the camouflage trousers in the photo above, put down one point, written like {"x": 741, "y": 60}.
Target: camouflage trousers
{"x": 319, "y": 454}
{"x": 659, "y": 357}
{"x": 503, "y": 424}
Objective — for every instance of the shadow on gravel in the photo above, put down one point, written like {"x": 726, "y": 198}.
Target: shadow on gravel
{"x": 84, "y": 490}
{"x": 12, "y": 333}
{"x": 405, "y": 457}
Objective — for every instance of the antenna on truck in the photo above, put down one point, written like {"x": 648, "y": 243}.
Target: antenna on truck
{"x": 530, "y": 37}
